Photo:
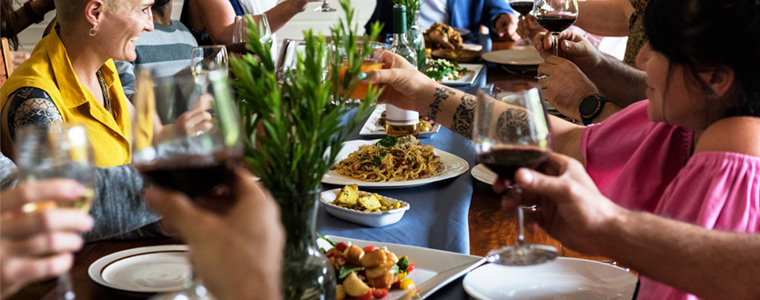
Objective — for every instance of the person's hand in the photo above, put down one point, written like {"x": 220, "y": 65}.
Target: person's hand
{"x": 237, "y": 255}
{"x": 573, "y": 46}
{"x": 564, "y": 85}
{"x": 192, "y": 122}
{"x": 28, "y": 239}
{"x": 403, "y": 83}
{"x": 571, "y": 208}
{"x": 506, "y": 25}
{"x": 528, "y": 27}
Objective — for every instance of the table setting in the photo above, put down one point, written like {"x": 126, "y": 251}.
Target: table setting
{"x": 425, "y": 217}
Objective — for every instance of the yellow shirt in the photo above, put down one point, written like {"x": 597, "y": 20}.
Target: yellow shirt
{"x": 49, "y": 69}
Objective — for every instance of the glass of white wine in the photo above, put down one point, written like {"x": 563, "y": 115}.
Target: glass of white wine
{"x": 206, "y": 59}
{"x": 57, "y": 150}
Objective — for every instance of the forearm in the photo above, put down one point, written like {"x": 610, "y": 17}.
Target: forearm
{"x": 620, "y": 83}
{"x": 608, "y": 110}
{"x": 23, "y": 20}
{"x": 708, "y": 263}
{"x": 279, "y": 15}
{"x": 604, "y": 17}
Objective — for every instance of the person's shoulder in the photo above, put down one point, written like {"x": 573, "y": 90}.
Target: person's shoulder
{"x": 734, "y": 134}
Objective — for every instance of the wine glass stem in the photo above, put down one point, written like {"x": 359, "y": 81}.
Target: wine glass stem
{"x": 520, "y": 226}
{"x": 555, "y": 43}
{"x": 65, "y": 291}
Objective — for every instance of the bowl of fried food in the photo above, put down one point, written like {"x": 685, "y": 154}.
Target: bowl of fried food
{"x": 457, "y": 55}
{"x": 363, "y": 208}
{"x": 442, "y": 36}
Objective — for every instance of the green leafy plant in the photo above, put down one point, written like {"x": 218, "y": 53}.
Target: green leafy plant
{"x": 411, "y": 7}
{"x": 294, "y": 128}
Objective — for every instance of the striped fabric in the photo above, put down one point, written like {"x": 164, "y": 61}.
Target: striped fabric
{"x": 166, "y": 50}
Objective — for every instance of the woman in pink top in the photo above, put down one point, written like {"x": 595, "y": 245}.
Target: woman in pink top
{"x": 691, "y": 154}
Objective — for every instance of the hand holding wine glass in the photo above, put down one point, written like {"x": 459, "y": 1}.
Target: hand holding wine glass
{"x": 510, "y": 132}
{"x": 555, "y": 16}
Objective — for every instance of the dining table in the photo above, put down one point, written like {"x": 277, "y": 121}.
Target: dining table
{"x": 459, "y": 215}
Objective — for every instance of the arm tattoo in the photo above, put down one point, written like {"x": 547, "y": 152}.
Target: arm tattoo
{"x": 464, "y": 115}
{"x": 440, "y": 95}
{"x": 512, "y": 124}
{"x": 31, "y": 106}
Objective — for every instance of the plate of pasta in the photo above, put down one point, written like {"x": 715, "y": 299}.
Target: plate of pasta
{"x": 393, "y": 163}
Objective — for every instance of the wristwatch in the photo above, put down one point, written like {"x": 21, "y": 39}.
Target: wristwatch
{"x": 590, "y": 107}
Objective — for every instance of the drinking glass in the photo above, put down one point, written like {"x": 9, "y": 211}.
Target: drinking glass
{"x": 355, "y": 92}
{"x": 555, "y": 16}
{"x": 511, "y": 132}
{"x": 187, "y": 151}
{"x": 325, "y": 7}
{"x": 205, "y": 59}
{"x": 523, "y": 7}
{"x": 240, "y": 30}
{"x": 57, "y": 150}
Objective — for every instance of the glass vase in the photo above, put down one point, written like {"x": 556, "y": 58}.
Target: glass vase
{"x": 416, "y": 39}
{"x": 306, "y": 273}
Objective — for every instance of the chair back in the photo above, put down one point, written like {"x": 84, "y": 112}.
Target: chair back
{"x": 6, "y": 61}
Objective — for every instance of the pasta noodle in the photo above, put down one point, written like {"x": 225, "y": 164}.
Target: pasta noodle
{"x": 388, "y": 160}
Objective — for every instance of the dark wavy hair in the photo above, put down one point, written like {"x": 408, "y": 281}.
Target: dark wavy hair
{"x": 6, "y": 28}
{"x": 700, "y": 34}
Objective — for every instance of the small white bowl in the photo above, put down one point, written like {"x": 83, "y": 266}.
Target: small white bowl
{"x": 372, "y": 219}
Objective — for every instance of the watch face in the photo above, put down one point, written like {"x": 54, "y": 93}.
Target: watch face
{"x": 588, "y": 105}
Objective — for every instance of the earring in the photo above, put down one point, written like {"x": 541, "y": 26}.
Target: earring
{"x": 94, "y": 29}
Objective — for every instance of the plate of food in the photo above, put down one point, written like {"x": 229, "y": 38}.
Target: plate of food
{"x": 452, "y": 73}
{"x": 420, "y": 272}
{"x": 563, "y": 278}
{"x": 154, "y": 269}
{"x": 375, "y": 125}
{"x": 457, "y": 55}
{"x": 524, "y": 57}
{"x": 381, "y": 164}
{"x": 370, "y": 209}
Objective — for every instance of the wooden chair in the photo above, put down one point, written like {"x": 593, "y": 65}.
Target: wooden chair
{"x": 6, "y": 61}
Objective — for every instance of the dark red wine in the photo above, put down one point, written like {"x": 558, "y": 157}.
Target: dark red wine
{"x": 555, "y": 23}
{"x": 191, "y": 174}
{"x": 523, "y": 7}
{"x": 506, "y": 161}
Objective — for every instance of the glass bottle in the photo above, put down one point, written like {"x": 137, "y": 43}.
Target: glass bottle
{"x": 400, "y": 44}
{"x": 417, "y": 40}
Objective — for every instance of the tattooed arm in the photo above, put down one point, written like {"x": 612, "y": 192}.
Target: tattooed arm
{"x": 407, "y": 88}
{"x": 29, "y": 106}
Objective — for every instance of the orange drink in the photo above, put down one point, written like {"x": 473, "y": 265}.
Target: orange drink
{"x": 360, "y": 92}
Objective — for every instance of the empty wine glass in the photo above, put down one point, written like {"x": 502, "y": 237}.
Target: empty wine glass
{"x": 511, "y": 132}
{"x": 325, "y": 7}
{"x": 555, "y": 16}
{"x": 205, "y": 59}
{"x": 240, "y": 29}
{"x": 523, "y": 7}
{"x": 57, "y": 150}
{"x": 192, "y": 150}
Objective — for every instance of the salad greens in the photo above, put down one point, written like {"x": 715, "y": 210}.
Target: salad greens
{"x": 442, "y": 69}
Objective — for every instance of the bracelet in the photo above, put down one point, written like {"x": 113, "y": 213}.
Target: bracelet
{"x": 31, "y": 14}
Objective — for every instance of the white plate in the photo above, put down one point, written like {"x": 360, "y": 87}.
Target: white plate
{"x": 371, "y": 127}
{"x": 453, "y": 166}
{"x": 472, "y": 72}
{"x": 433, "y": 268}
{"x": 154, "y": 269}
{"x": 565, "y": 278}
{"x": 519, "y": 57}
{"x": 372, "y": 219}
{"x": 483, "y": 174}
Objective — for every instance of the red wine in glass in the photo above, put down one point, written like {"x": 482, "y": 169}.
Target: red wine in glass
{"x": 506, "y": 161}
{"x": 555, "y": 23}
{"x": 523, "y": 7}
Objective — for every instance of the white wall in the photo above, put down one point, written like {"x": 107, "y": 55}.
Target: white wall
{"x": 318, "y": 21}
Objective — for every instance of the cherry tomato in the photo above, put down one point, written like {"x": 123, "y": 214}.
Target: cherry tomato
{"x": 369, "y": 249}
{"x": 395, "y": 285}
{"x": 379, "y": 293}
{"x": 411, "y": 267}
{"x": 341, "y": 246}
{"x": 367, "y": 296}
{"x": 330, "y": 254}
{"x": 406, "y": 284}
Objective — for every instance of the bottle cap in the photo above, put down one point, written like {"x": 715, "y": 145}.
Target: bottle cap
{"x": 399, "y": 18}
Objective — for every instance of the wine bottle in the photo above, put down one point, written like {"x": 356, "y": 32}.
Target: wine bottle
{"x": 400, "y": 44}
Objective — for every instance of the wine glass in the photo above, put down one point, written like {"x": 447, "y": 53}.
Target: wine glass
{"x": 555, "y": 16}
{"x": 523, "y": 7}
{"x": 57, "y": 150}
{"x": 325, "y": 7}
{"x": 205, "y": 59}
{"x": 240, "y": 30}
{"x": 193, "y": 150}
{"x": 511, "y": 132}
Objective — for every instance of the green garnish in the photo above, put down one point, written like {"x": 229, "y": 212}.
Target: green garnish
{"x": 441, "y": 69}
{"x": 388, "y": 141}
{"x": 345, "y": 271}
{"x": 403, "y": 263}
{"x": 326, "y": 239}
{"x": 377, "y": 161}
